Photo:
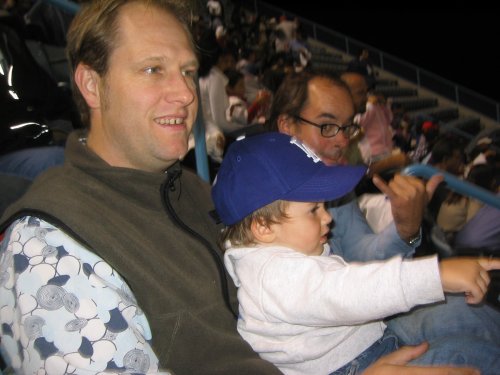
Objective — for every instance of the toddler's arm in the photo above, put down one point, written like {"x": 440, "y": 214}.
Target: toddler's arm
{"x": 467, "y": 275}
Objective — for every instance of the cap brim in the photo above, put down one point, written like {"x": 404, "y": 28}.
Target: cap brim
{"x": 327, "y": 184}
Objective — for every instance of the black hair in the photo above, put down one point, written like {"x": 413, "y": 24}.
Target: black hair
{"x": 233, "y": 76}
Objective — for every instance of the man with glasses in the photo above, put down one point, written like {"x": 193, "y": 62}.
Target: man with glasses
{"x": 319, "y": 110}
{"x": 331, "y": 130}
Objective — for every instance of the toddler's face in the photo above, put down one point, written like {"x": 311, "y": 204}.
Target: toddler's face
{"x": 306, "y": 229}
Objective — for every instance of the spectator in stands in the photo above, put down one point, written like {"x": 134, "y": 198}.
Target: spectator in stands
{"x": 425, "y": 135}
{"x": 286, "y": 29}
{"x": 213, "y": 97}
{"x": 239, "y": 111}
{"x": 300, "y": 50}
{"x": 281, "y": 44}
{"x": 313, "y": 107}
{"x": 401, "y": 126}
{"x": 105, "y": 279}
{"x": 363, "y": 66}
{"x": 235, "y": 89}
{"x": 250, "y": 67}
{"x": 486, "y": 176}
{"x": 482, "y": 151}
{"x": 213, "y": 83}
{"x": 215, "y": 11}
{"x": 447, "y": 211}
{"x": 447, "y": 155}
{"x": 476, "y": 224}
{"x": 376, "y": 124}
{"x": 275, "y": 71}
{"x": 358, "y": 88}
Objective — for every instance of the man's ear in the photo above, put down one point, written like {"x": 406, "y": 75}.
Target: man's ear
{"x": 88, "y": 82}
{"x": 285, "y": 124}
{"x": 262, "y": 233}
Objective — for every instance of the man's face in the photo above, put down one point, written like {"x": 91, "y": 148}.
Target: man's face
{"x": 327, "y": 103}
{"x": 148, "y": 97}
{"x": 359, "y": 90}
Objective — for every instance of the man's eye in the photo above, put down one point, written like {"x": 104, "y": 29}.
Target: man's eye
{"x": 329, "y": 127}
{"x": 152, "y": 70}
{"x": 189, "y": 73}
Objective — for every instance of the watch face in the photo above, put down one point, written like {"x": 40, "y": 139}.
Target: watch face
{"x": 414, "y": 240}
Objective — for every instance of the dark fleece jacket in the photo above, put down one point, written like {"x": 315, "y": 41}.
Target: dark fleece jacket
{"x": 176, "y": 275}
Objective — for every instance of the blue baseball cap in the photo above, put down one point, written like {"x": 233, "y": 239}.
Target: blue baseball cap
{"x": 263, "y": 168}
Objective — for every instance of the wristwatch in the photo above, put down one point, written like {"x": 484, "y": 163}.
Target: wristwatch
{"x": 414, "y": 239}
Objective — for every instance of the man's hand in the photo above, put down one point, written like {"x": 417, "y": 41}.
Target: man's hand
{"x": 396, "y": 364}
{"x": 408, "y": 196}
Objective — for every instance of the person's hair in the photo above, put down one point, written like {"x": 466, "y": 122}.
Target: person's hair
{"x": 293, "y": 95}
{"x": 443, "y": 149}
{"x": 209, "y": 51}
{"x": 233, "y": 76}
{"x": 93, "y": 36}
{"x": 240, "y": 234}
{"x": 484, "y": 175}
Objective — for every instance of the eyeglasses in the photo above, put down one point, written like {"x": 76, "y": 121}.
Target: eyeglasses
{"x": 331, "y": 130}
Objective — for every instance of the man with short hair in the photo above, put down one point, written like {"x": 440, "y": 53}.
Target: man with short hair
{"x": 318, "y": 109}
{"x": 110, "y": 262}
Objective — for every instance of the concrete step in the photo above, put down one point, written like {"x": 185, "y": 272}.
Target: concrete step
{"x": 465, "y": 127}
{"x": 327, "y": 58}
{"x": 330, "y": 67}
{"x": 443, "y": 114}
{"x": 395, "y": 91}
{"x": 386, "y": 82}
{"x": 415, "y": 103}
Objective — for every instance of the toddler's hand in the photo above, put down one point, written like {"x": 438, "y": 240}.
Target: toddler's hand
{"x": 467, "y": 275}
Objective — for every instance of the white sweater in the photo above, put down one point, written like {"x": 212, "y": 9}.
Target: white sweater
{"x": 313, "y": 314}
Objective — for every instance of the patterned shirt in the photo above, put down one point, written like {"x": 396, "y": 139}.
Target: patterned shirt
{"x": 64, "y": 310}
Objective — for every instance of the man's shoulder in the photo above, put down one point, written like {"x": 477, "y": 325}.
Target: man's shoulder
{"x": 49, "y": 184}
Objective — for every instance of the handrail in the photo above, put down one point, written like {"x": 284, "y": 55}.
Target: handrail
{"x": 200, "y": 145}
{"x": 454, "y": 183}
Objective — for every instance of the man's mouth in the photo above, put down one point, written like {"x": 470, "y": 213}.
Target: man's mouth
{"x": 170, "y": 121}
